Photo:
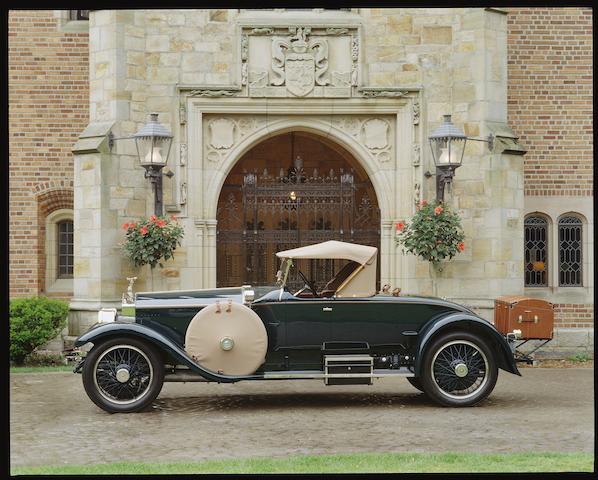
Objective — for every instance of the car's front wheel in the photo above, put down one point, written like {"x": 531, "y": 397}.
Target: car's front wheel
{"x": 123, "y": 375}
{"x": 459, "y": 370}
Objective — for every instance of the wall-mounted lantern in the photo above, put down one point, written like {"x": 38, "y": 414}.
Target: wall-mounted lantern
{"x": 153, "y": 144}
{"x": 448, "y": 145}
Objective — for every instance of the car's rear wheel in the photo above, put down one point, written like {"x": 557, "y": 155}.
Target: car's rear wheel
{"x": 459, "y": 370}
{"x": 123, "y": 375}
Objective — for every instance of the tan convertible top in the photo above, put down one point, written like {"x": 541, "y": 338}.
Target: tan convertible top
{"x": 332, "y": 249}
{"x": 362, "y": 282}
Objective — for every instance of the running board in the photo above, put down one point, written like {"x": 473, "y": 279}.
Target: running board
{"x": 185, "y": 375}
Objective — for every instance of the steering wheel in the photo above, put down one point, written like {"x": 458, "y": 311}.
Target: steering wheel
{"x": 307, "y": 282}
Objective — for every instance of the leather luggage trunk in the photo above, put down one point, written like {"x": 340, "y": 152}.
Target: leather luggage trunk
{"x": 534, "y": 317}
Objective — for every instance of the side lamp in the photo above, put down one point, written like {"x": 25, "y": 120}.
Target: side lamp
{"x": 153, "y": 144}
{"x": 447, "y": 143}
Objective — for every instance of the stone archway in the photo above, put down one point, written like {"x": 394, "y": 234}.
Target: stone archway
{"x": 291, "y": 189}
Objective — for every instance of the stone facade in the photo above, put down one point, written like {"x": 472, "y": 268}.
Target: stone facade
{"x": 375, "y": 81}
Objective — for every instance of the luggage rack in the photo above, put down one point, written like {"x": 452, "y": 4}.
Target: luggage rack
{"x": 526, "y": 356}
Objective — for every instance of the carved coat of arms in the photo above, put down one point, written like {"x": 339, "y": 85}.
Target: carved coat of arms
{"x": 299, "y": 64}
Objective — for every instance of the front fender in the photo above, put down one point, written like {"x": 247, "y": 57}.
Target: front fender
{"x": 104, "y": 331}
{"x": 504, "y": 356}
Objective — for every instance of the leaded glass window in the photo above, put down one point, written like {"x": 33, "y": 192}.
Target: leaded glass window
{"x": 570, "y": 243}
{"x": 65, "y": 249}
{"x": 536, "y": 251}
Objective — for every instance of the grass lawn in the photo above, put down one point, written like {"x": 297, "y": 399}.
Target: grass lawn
{"x": 58, "y": 368}
{"x": 347, "y": 463}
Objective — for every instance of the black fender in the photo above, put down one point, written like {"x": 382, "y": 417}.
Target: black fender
{"x": 469, "y": 323}
{"x": 103, "y": 331}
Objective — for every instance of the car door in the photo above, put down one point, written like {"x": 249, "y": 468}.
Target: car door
{"x": 364, "y": 320}
{"x": 308, "y": 322}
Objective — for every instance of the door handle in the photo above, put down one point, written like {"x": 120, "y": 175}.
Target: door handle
{"x": 327, "y": 309}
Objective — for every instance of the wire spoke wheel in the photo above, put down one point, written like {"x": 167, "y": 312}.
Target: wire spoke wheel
{"x": 123, "y": 374}
{"x": 459, "y": 369}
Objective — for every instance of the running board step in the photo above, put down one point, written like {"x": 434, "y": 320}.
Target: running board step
{"x": 348, "y": 369}
{"x": 185, "y": 375}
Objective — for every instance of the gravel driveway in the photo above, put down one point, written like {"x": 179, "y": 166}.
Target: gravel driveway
{"x": 52, "y": 421}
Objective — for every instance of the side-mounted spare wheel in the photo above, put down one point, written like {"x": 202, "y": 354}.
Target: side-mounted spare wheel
{"x": 458, "y": 370}
{"x": 227, "y": 338}
{"x": 123, "y": 374}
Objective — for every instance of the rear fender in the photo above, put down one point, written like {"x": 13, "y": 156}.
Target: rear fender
{"x": 468, "y": 323}
{"x": 103, "y": 332}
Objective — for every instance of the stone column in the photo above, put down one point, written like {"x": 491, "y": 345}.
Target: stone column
{"x": 97, "y": 259}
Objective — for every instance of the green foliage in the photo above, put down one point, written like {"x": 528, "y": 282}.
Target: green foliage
{"x": 153, "y": 240}
{"x": 580, "y": 357}
{"x": 33, "y": 322}
{"x": 434, "y": 233}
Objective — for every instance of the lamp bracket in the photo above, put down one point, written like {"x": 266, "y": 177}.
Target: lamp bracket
{"x": 489, "y": 140}
{"x": 112, "y": 139}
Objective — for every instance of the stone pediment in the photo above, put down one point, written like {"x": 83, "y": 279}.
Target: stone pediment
{"x": 299, "y": 61}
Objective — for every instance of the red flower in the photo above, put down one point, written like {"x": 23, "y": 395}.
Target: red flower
{"x": 153, "y": 218}
{"x": 143, "y": 230}
{"x": 173, "y": 217}
{"x": 424, "y": 202}
{"x": 161, "y": 223}
{"x": 438, "y": 210}
{"x": 125, "y": 226}
{"x": 461, "y": 246}
{"x": 400, "y": 226}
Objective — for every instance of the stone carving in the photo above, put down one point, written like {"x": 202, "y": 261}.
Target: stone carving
{"x": 384, "y": 157}
{"x": 212, "y": 93}
{"x": 416, "y": 155}
{"x": 375, "y": 133}
{"x": 298, "y": 63}
{"x": 376, "y": 92}
{"x": 244, "y": 73}
{"x": 416, "y": 193}
{"x": 415, "y": 112}
{"x": 262, "y": 31}
{"x": 258, "y": 79}
{"x": 244, "y": 47}
{"x": 183, "y": 193}
{"x": 340, "y": 79}
{"x": 355, "y": 48}
{"x": 183, "y": 112}
{"x": 183, "y": 154}
{"x": 213, "y": 156}
{"x": 337, "y": 31}
{"x": 222, "y": 133}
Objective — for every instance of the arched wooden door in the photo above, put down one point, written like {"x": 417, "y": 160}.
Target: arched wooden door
{"x": 291, "y": 190}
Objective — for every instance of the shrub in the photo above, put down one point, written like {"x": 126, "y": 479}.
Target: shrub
{"x": 149, "y": 241}
{"x": 33, "y": 322}
{"x": 434, "y": 233}
{"x": 46, "y": 359}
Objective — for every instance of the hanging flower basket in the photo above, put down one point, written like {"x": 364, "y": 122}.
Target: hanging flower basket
{"x": 434, "y": 233}
{"x": 149, "y": 242}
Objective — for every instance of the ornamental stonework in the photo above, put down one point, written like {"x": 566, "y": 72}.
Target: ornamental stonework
{"x": 300, "y": 61}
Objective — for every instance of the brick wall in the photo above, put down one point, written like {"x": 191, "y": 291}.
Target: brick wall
{"x": 48, "y": 109}
{"x": 571, "y": 315}
{"x": 550, "y": 97}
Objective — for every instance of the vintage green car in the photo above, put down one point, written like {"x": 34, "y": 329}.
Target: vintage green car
{"x": 344, "y": 333}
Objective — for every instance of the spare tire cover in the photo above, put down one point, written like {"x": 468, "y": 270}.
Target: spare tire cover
{"x": 232, "y": 321}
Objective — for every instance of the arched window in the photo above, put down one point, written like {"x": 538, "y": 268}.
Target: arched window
{"x": 570, "y": 251}
{"x": 536, "y": 251}
{"x": 59, "y": 251}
